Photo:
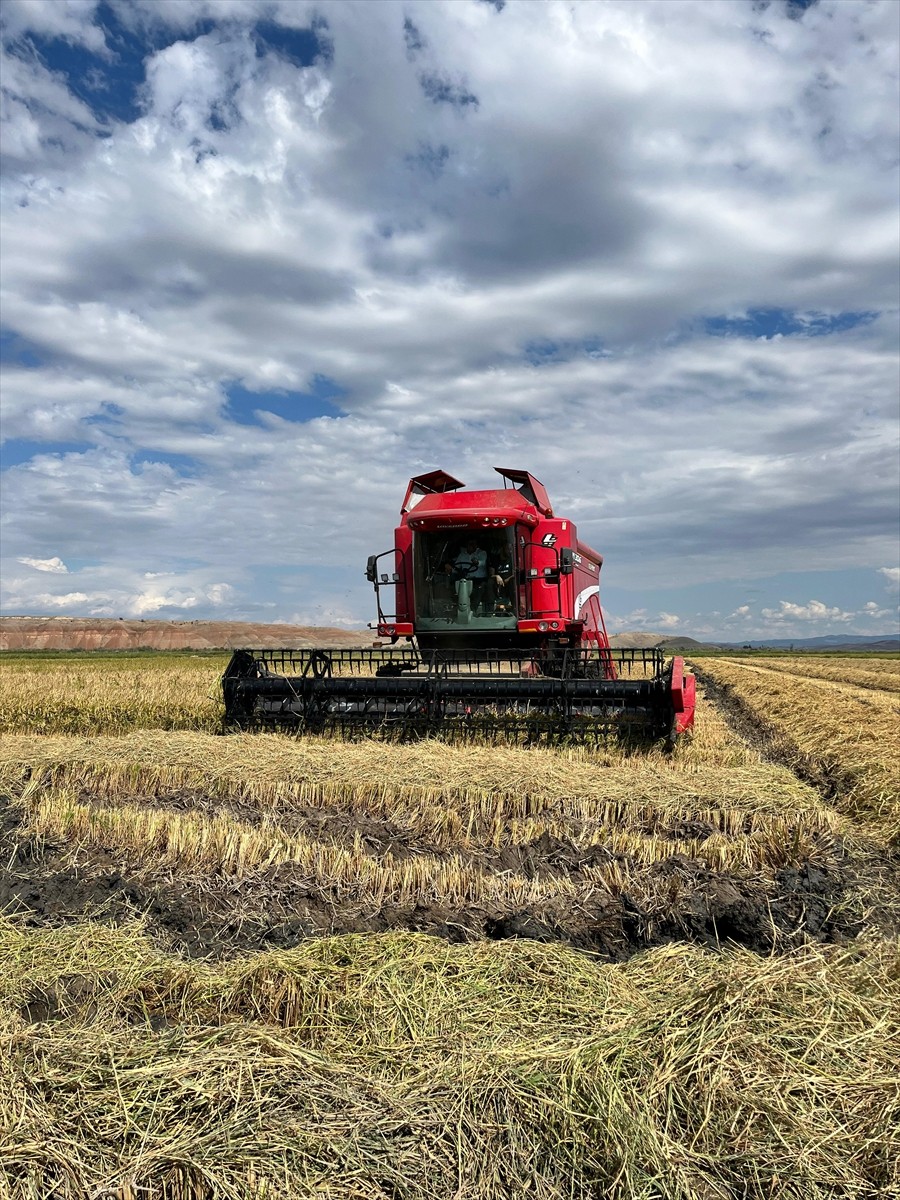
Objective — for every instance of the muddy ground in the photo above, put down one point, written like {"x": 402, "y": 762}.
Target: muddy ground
{"x": 47, "y": 883}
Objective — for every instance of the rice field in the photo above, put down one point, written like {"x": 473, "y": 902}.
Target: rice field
{"x": 880, "y": 674}
{"x": 843, "y": 735}
{"x": 255, "y": 966}
{"x": 83, "y": 694}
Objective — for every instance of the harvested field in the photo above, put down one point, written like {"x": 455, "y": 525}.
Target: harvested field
{"x": 843, "y": 738}
{"x": 880, "y": 674}
{"x": 393, "y": 1066}
{"x": 262, "y": 967}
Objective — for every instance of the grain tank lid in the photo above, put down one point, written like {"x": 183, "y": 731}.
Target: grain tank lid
{"x": 426, "y": 485}
{"x": 532, "y": 489}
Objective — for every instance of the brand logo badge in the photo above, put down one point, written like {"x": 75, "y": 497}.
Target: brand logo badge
{"x": 548, "y": 540}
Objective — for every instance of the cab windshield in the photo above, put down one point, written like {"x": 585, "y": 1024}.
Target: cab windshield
{"x": 465, "y": 578}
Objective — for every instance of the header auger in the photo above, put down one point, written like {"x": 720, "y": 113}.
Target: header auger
{"x": 496, "y": 602}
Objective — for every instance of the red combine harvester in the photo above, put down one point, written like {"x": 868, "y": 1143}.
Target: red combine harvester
{"x": 497, "y": 603}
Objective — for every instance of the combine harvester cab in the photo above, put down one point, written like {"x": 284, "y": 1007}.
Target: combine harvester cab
{"x": 492, "y": 608}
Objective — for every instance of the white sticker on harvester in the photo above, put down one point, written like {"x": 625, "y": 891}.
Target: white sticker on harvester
{"x": 582, "y": 598}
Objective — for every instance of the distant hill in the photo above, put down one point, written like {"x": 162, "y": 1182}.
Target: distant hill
{"x": 89, "y": 633}
{"x": 96, "y": 633}
{"x": 642, "y": 641}
{"x": 638, "y": 640}
{"x": 882, "y": 644}
{"x": 635, "y": 640}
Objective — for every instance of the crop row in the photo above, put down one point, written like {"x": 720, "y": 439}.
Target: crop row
{"x": 878, "y": 674}
{"x": 843, "y": 738}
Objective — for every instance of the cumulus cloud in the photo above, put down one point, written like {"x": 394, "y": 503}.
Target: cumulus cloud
{"x": 54, "y": 565}
{"x": 815, "y": 610}
{"x": 115, "y": 589}
{"x": 531, "y": 236}
{"x": 874, "y": 611}
{"x": 892, "y": 575}
{"x": 63, "y": 600}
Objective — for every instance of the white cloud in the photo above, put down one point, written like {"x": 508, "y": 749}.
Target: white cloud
{"x": 815, "y": 610}
{"x": 331, "y": 615}
{"x": 152, "y": 602}
{"x": 219, "y": 593}
{"x": 667, "y": 620}
{"x": 636, "y": 619}
{"x": 626, "y": 172}
{"x": 72, "y": 20}
{"x": 118, "y": 590}
{"x": 66, "y": 600}
{"x": 892, "y": 575}
{"x": 874, "y": 611}
{"x": 54, "y": 565}
{"x": 742, "y": 611}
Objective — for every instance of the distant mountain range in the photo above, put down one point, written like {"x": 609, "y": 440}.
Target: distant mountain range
{"x": 94, "y": 633}
{"x": 846, "y": 642}
{"x": 831, "y": 641}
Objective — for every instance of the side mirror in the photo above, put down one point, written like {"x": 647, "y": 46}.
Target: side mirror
{"x": 371, "y": 568}
{"x": 566, "y": 560}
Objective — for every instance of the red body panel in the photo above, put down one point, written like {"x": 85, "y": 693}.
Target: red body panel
{"x": 565, "y": 606}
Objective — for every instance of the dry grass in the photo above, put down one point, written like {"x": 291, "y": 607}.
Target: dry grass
{"x": 379, "y": 1067}
{"x": 879, "y": 674}
{"x": 713, "y": 764}
{"x": 478, "y": 783}
{"x": 449, "y": 805}
{"x": 845, "y": 738}
{"x": 469, "y": 817}
{"x": 86, "y": 695}
{"x": 465, "y": 796}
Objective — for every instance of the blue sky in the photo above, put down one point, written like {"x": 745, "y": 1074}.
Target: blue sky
{"x": 262, "y": 260}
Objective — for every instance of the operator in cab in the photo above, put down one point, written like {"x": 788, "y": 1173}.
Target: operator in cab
{"x": 471, "y": 563}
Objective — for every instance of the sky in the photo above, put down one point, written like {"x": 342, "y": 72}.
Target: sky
{"x": 264, "y": 260}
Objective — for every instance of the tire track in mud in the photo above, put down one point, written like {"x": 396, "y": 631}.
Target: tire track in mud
{"x": 677, "y": 898}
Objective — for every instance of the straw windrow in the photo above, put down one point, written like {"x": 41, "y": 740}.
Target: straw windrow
{"x": 394, "y": 1066}
{"x": 844, "y": 739}
{"x": 877, "y": 674}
